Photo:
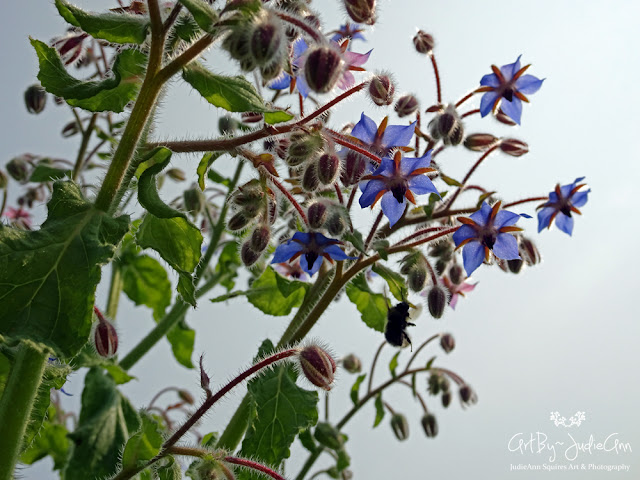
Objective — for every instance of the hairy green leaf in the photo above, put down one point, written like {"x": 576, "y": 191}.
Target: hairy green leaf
{"x": 48, "y": 277}
{"x": 277, "y": 116}
{"x": 111, "y": 94}
{"x": 179, "y": 243}
{"x": 152, "y": 164}
{"x": 379, "y": 410}
{"x": 205, "y": 16}
{"x": 206, "y": 161}
{"x": 106, "y": 422}
{"x": 396, "y": 282}
{"x": 51, "y": 441}
{"x": 228, "y": 264}
{"x": 355, "y": 389}
{"x": 143, "y": 445}
{"x": 146, "y": 282}
{"x": 113, "y": 27}
{"x": 168, "y": 469}
{"x": 44, "y": 172}
{"x": 372, "y": 306}
{"x": 307, "y": 441}
{"x": 275, "y": 295}
{"x": 182, "y": 339}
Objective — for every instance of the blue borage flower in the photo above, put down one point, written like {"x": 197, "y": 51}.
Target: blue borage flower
{"x": 396, "y": 181}
{"x": 352, "y": 62}
{"x": 487, "y": 230}
{"x": 381, "y": 139}
{"x": 312, "y": 248}
{"x": 505, "y": 87}
{"x": 562, "y": 202}
{"x": 348, "y": 30}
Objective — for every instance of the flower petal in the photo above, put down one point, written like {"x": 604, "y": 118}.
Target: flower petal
{"x": 528, "y": 84}
{"x": 580, "y": 198}
{"x": 463, "y": 233}
{"x": 285, "y": 251}
{"x": 504, "y": 218}
{"x": 337, "y": 253}
{"x": 392, "y": 208}
{"x": 453, "y": 301}
{"x": 490, "y": 80}
{"x": 565, "y": 223}
{"x": 370, "y": 191}
{"x": 313, "y": 268}
{"x": 281, "y": 82}
{"x": 410, "y": 164}
{"x": 346, "y": 80}
{"x": 365, "y": 129}
{"x": 481, "y": 216}
{"x": 486, "y": 103}
{"x": 544, "y": 217}
{"x": 398, "y": 135}
{"x": 299, "y": 47}
{"x": 512, "y": 109}
{"x": 511, "y": 69}
{"x": 472, "y": 256}
{"x": 421, "y": 184}
{"x": 506, "y": 247}
{"x": 356, "y": 59}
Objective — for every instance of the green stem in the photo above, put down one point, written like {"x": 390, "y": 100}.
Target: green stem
{"x": 17, "y": 402}
{"x": 86, "y": 136}
{"x": 115, "y": 288}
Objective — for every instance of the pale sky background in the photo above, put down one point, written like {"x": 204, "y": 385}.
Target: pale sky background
{"x": 561, "y": 336}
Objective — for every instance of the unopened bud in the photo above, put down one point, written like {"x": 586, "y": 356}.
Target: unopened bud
{"x": 267, "y": 40}
{"x": 260, "y": 238}
{"x": 479, "y": 142}
{"x": 354, "y": 167}
{"x": 323, "y": 67}
{"x": 227, "y": 124}
{"x": 237, "y": 42}
{"x": 381, "y": 90}
{"x": 328, "y": 168}
{"x": 194, "y": 200}
{"x": 446, "y": 399}
{"x": 70, "y": 129}
{"x": 336, "y": 224}
{"x": 19, "y": 168}
{"x": 447, "y": 342}
{"x": 205, "y": 381}
{"x": 186, "y": 397}
{"x": 467, "y": 395}
{"x": 238, "y": 222}
{"x": 361, "y": 11}
{"x": 271, "y": 70}
{"x": 35, "y": 98}
{"x": 318, "y": 366}
{"x": 105, "y": 337}
{"x": 251, "y": 117}
{"x": 436, "y": 301}
{"x": 456, "y": 274}
{"x": 317, "y": 214}
{"x": 406, "y": 105}
{"x": 400, "y": 426}
{"x": 423, "y": 42}
{"x": 417, "y": 278}
{"x": 328, "y": 436}
{"x": 352, "y": 364}
{"x": 513, "y": 147}
{"x": 303, "y": 146}
{"x": 515, "y": 265}
{"x": 310, "y": 180}
{"x": 429, "y": 425}
{"x": 433, "y": 384}
{"x": 529, "y": 252}
{"x": 4, "y": 180}
{"x": 447, "y": 126}
{"x": 248, "y": 255}
{"x": 504, "y": 118}
{"x": 282, "y": 146}
{"x": 176, "y": 174}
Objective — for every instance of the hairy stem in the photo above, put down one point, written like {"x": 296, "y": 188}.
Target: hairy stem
{"x": 115, "y": 288}
{"x": 84, "y": 143}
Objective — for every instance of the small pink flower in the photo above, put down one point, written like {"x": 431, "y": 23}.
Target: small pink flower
{"x": 457, "y": 290}
{"x": 19, "y": 217}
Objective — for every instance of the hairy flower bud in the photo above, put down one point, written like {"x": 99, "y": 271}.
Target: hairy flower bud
{"x": 352, "y": 364}
{"x": 434, "y": 383}
{"x": 176, "y": 175}
{"x": 336, "y": 224}
{"x": 310, "y": 180}
{"x": 381, "y": 90}
{"x": 361, "y": 11}
{"x": 436, "y": 301}
{"x": 205, "y": 381}
{"x": 322, "y": 68}
{"x": 515, "y": 265}
{"x": 267, "y": 41}
{"x": 186, "y": 396}
{"x": 447, "y": 342}
{"x": 328, "y": 168}
{"x": 227, "y": 124}
{"x": 35, "y": 98}
{"x": 19, "y": 168}
{"x": 248, "y": 255}
{"x": 271, "y": 70}
{"x": 194, "y": 200}
{"x": 423, "y": 42}
{"x": 318, "y": 366}
{"x": 281, "y": 148}
{"x": 70, "y": 129}
{"x": 456, "y": 274}
{"x": 303, "y": 146}
{"x": 528, "y": 251}
{"x": 479, "y": 142}
{"x": 467, "y": 395}
{"x": 417, "y": 277}
{"x": 406, "y": 105}
{"x": 354, "y": 167}
{"x": 105, "y": 337}
{"x": 400, "y": 426}
{"x": 513, "y": 147}
{"x": 238, "y": 222}
{"x": 504, "y": 118}
{"x": 446, "y": 399}
{"x": 260, "y": 238}
{"x": 447, "y": 126}
{"x": 429, "y": 425}
{"x": 328, "y": 436}
{"x": 317, "y": 214}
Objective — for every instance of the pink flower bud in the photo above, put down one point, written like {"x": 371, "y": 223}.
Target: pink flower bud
{"x": 381, "y": 90}
{"x": 323, "y": 67}
{"x": 479, "y": 142}
{"x": 361, "y": 11}
{"x": 35, "y": 98}
{"x": 406, "y": 105}
{"x": 513, "y": 147}
{"x": 318, "y": 366}
{"x": 423, "y": 42}
{"x": 328, "y": 168}
{"x": 105, "y": 337}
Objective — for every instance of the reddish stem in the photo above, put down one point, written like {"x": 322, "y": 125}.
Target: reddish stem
{"x": 255, "y": 466}
{"x": 292, "y": 200}
{"x": 470, "y": 112}
{"x": 301, "y": 25}
{"x": 419, "y": 233}
{"x": 465, "y": 98}
{"x": 526, "y": 200}
{"x": 398, "y": 247}
{"x": 437, "y": 75}
{"x": 342, "y": 140}
{"x": 339, "y": 193}
{"x": 373, "y": 231}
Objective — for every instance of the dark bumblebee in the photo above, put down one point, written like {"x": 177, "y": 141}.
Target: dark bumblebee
{"x": 397, "y": 323}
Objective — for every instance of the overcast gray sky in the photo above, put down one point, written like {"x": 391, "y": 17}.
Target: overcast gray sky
{"x": 559, "y": 337}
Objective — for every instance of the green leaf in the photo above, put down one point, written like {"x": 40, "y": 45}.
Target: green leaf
{"x": 182, "y": 339}
{"x": 355, "y": 389}
{"x": 48, "y": 277}
{"x": 307, "y": 441}
{"x": 452, "y": 182}
{"x": 343, "y": 460}
{"x": 89, "y": 358}
{"x": 179, "y": 243}
{"x": 214, "y": 176}
{"x": 282, "y": 411}
{"x": 144, "y": 445}
{"x": 234, "y": 94}
{"x": 44, "y": 172}
{"x": 206, "y": 161}
{"x": 113, "y": 27}
{"x": 152, "y": 164}
{"x": 205, "y": 16}
{"x": 107, "y": 420}
{"x": 433, "y": 199}
{"x": 356, "y": 240}
{"x": 372, "y": 306}
{"x": 379, "y": 410}
{"x": 146, "y": 282}
{"x": 430, "y": 362}
{"x": 51, "y": 441}
{"x": 381, "y": 247}
{"x": 111, "y": 94}
{"x": 119, "y": 375}
{"x": 210, "y": 439}
{"x": 168, "y": 469}
{"x": 276, "y": 296}
{"x": 396, "y": 282}
{"x": 393, "y": 364}
{"x": 228, "y": 264}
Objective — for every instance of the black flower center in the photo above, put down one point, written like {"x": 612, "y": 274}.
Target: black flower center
{"x": 508, "y": 93}
{"x": 398, "y": 192}
{"x": 566, "y": 209}
{"x": 311, "y": 258}
{"x": 489, "y": 239}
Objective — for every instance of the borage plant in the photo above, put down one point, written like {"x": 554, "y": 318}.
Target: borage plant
{"x": 288, "y": 214}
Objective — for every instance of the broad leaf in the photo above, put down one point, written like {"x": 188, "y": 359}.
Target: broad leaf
{"x": 152, "y": 164}
{"x": 146, "y": 282}
{"x": 356, "y": 240}
{"x": 355, "y": 389}
{"x": 143, "y": 445}
{"x": 106, "y": 422}
{"x": 372, "y": 306}
{"x": 113, "y": 27}
{"x": 51, "y": 441}
{"x": 228, "y": 264}
{"x": 282, "y": 411}
{"x": 396, "y": 282}
{"x": 178, "y": 242}
{"x": 206, "y": 161}
{"x": 277, "y": 116}
{"x": 275, "y": 295}
{"x": 168, "y": 468}
{"x": 48, "y": 277}
{"x": 111, "y": 94}
{"x": 205, "y": 16}
{"x": 44, "y": 172}
{"x": 182, "y": 339}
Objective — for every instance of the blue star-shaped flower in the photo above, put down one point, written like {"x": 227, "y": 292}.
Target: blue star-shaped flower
{"x": 381, "y": 139}
{"x": 487, "y": 230}
{"x": 396, "y": 181}
{"x": 312, "y": 248}
{"x": 506, "y": 87}
{"x": 562, "y": 202}
{"x": 348, "y": 30}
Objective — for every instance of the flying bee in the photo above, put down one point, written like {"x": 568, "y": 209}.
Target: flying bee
{"x": 395, "y": 330}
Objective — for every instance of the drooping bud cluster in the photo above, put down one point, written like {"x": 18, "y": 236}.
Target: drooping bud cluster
{"x": 323, "y": 67}
{"x": 447, "y": 126}
{"x": 429, "y": 425}
{"x": 414, "y": 266}
{"x": 381, "y": 90}
{"x": 318, "y": 366}
{"x": 361, "y": 11}
{"x": 438, "y": 383}
{"x": 105, "y": 337}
